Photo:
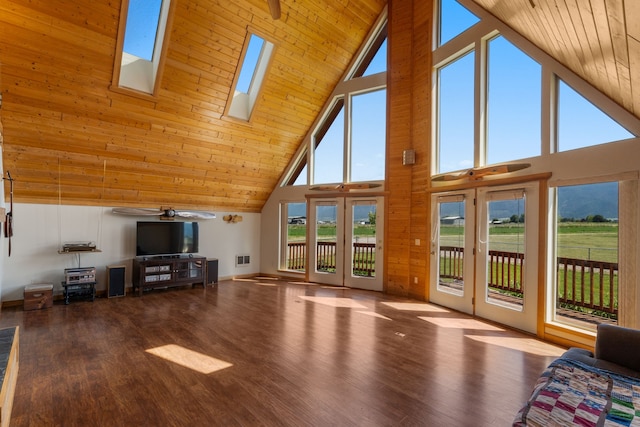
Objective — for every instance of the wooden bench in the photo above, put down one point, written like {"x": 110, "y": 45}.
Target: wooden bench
{"x": 9, "y": 361}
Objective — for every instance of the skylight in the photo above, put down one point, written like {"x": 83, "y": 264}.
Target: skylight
{"x": 142, "y": 28}
{"x": 249, "y": 80}
{"x": 140, "y": 36}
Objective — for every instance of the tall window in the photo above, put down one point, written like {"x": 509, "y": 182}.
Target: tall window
{"x": 455, "y": 114}
{"x": 294, "y": 236}
{"x": 586, "y": 261}
{"x": 368, "y": 131}
{"x": 141, "y": 36}
{"x": 513, "y": 103}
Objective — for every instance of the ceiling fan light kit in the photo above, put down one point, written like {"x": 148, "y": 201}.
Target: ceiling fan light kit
{"x": 232, "y": 219}
{"x": 274, "y": 8}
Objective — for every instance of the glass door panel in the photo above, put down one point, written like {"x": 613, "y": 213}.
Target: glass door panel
{"x": 452, "y": 250}
{"x": 507, "y": 255}
{"x": 364, "y": 237}
{"x": 326, "y": 228}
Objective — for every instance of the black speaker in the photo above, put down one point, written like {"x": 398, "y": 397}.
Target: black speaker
{"x": 212, "y": 271}
{"x": 115, "y": 281}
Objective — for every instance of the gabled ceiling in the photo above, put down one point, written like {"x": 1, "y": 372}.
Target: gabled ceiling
{"x": 69, "y": 138}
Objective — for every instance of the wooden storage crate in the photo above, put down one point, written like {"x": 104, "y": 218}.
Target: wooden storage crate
{"x": 38, "y": 296}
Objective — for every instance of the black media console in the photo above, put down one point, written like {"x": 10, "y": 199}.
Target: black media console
{"x": 168, "y": 271}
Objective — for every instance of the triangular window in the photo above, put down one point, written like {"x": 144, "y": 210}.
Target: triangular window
{"x": 582, "y": 124}
{"x": 454, "y": 20}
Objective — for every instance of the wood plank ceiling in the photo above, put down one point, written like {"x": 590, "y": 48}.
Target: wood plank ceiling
{"x": 68, "y": 137}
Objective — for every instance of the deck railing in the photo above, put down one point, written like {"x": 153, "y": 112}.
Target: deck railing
{"x": 582, "y": 284}
{"x": 364, "y": 256}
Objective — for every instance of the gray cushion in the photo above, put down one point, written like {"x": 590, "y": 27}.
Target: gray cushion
{"x": 618, "y": 345}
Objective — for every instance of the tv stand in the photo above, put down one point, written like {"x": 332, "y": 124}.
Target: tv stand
{"x": 168, "y": 271}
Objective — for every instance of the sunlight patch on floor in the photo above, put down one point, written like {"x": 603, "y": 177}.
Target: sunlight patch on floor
{"x": 303, "y": 283}
{"x": 189, "y": 359}
{"x": 416, "y": 306}
{"x": 373, "y": 314}
{"x": 528, "y": 345}
{"x": 238, "y": 279}
{"x": 334, "y": 302}
{"x": 460, "y": 323}
{"x": 266, "y": 284}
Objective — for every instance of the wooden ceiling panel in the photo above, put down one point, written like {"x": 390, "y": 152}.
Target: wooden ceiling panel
{"x": 68, "y": 134}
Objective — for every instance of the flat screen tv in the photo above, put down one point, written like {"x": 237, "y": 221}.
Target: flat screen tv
{"x": 166, "y": 238}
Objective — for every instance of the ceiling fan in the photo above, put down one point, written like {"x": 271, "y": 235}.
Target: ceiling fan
{"x": 479, "y": 173}
{"x": 274, "y": 8}
{"x": 164, "y": 213}
{"x": 345, "y": 187}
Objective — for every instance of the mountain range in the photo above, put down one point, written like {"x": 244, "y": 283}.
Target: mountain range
{"x": 573, "y": 202}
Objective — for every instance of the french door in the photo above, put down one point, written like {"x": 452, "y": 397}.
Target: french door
{"x": 346, "y": 242}
{"x": 484, "y": 253}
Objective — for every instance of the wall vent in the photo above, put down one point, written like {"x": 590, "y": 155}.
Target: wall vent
{"x": 242, "y": 260}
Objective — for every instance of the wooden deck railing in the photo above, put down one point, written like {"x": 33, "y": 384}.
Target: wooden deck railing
{"x": 364, "y": 255}
{"x": 582, "y": 284}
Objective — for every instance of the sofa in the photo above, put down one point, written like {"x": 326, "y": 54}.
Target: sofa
{"x": 600, "y": 388}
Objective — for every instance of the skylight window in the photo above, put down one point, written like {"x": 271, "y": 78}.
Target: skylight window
{"x": 249, "y": 80}
{"x": 142, "y": 28}
{"x": 141, "y": 36}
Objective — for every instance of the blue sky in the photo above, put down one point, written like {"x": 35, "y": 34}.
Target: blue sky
{"x": 513, "y": 104}
{"x": 142, "y": 24}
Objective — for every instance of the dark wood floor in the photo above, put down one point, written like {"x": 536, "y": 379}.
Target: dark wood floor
{"x": 299, "y": 355}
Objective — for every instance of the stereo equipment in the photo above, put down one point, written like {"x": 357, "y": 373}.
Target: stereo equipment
{"x": 115, "y": 281}
{"x": 74, "y": 276}
{"x": 79, "y": 247}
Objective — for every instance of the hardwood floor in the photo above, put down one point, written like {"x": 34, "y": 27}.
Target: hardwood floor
{"x": 268, "y": 352}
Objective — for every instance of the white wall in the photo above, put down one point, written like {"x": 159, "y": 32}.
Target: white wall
{"x": 40, "y": 231}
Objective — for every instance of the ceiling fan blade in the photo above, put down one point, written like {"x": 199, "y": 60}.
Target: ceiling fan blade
{"x": 346, "y": 187}
{"x": 274, "y": 8}
{"x": 195, "y": 214}
{"x": 497, "y": 170}
{"x": 138, "y": 211}
{"x": 478, "y": 173}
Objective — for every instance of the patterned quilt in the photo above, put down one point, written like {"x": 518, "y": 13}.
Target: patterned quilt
{"x": 570, "y": 393}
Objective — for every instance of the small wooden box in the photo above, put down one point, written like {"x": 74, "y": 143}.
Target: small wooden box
{"x": 38, "y": 296}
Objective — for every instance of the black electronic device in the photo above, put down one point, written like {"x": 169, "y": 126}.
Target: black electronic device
{"x": 212, "y": 271}
{"x": 166, "y": 238}
{"x": 115, "y": 281}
